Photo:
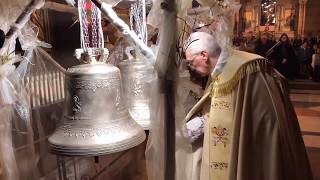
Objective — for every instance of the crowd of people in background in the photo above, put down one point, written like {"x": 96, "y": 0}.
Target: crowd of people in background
{"x": 292, "y": 57}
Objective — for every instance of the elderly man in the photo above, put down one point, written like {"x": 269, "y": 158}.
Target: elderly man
{"x": 250, "y": 130}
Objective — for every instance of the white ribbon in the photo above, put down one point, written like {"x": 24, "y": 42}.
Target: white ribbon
{"x": 7, "y": 90}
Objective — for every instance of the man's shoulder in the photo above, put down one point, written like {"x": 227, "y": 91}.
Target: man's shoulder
{"x": 241, "y": 57}
{"x": 237, "y": 61}
{"x": 239, "y": 65}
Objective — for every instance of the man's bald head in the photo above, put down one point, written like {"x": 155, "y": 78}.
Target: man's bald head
{"x": 202, "y": 52}
{"x": 201, "y": 41}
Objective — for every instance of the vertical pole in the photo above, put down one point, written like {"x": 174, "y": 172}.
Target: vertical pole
{"x": 169, "y": 87}
{"x": 144, "y": 21}
{"x": 302, "y": 14}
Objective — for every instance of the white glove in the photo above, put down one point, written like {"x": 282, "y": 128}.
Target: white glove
{"x": 194, "y": 129}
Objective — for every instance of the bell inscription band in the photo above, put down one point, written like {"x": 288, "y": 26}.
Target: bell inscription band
{"x": 95, "y": 120}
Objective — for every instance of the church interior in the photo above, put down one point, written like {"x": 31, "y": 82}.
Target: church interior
{"x": 54, "y": 39}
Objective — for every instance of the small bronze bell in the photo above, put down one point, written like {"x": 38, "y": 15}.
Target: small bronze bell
{"x": 137, "y": 75}
{"x": 95, "y": 120}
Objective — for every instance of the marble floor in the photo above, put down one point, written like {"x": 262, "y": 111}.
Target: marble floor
{"x": 305, "y": 97}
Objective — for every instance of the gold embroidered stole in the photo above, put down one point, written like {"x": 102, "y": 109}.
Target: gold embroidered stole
{"x": 220, "y": 133}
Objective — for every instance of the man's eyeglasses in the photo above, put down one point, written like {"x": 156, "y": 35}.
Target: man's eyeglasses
{"x": 189, "y": 62}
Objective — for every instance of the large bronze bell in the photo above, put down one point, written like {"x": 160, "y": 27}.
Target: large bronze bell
{"x": 137, "y": 75}
{"x": 95, "y": 120}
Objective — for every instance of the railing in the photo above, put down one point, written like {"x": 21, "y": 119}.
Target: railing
{"x": 47, "y": 85}
{"x": 46, "y": 88}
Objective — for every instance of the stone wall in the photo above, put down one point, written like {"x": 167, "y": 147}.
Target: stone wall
{"x": 304, "y": 24}
{"x": 312, "y": 24}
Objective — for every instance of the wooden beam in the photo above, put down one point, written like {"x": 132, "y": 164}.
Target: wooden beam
{"x": 60, "y": 8}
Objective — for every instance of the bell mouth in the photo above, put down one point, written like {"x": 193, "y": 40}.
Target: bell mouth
{"x": 92, "y": 55}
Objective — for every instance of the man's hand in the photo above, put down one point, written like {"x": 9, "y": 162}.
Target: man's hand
{"x": 194, "y": 129}
{"x": 284, "y": 60}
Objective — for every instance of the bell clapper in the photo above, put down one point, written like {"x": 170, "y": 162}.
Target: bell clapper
{"x": 96, "y": 159}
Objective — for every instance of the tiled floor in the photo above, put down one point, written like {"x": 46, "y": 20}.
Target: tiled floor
{"x": 307, "y": 106}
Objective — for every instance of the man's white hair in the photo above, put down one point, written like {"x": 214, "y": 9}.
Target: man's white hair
{"x": 202, "y": 41}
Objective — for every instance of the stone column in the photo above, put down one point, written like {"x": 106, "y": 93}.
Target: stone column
{"x": 278, "y": 17}
{"x": 237, "y": 21}
{"x": 46, "y": 25}
{"x": 256, "y": 17}
{"x": 302, "y": 16}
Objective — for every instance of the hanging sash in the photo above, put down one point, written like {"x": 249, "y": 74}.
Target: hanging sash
{"x": 222, "y": 111}
{"x": 220, "y": 133}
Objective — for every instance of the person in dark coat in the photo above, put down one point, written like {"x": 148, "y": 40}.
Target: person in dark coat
{"x": 284, "y": 58}
{"x": 316, "y": 65}
{"x": 304, "y": 55}
{"x": 297, "y": 42}
{"x": 263, "y": 45}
